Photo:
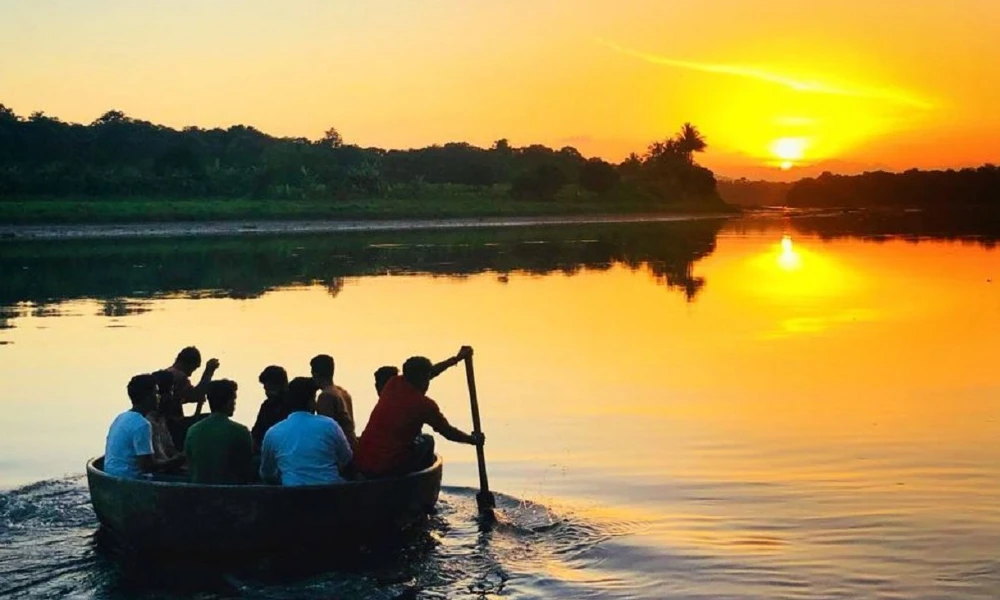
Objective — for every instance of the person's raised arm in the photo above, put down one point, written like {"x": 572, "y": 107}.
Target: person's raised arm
{"x": 206, "y": 376}
{"x": 448, "y": 363}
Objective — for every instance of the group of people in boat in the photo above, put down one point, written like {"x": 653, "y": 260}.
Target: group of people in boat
{"x": 304, "y": 433}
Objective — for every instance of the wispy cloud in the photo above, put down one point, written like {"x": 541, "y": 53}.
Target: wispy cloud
{"x": 808, "y": 87}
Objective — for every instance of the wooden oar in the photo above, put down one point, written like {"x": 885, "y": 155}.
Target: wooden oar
{"x": 484, "y": 498}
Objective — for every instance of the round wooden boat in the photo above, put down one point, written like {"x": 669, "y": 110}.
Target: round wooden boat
{"x": 176, "y": 516}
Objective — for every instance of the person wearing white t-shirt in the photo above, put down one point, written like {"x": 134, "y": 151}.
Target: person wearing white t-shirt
{"x": 305, "y": 448}
{"x": 128, "y": 451}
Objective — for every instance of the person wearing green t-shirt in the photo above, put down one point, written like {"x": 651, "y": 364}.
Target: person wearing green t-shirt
{"x": 219, "y": 450}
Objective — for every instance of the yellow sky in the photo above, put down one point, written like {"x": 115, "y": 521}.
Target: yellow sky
{"x": 811, "y": 85}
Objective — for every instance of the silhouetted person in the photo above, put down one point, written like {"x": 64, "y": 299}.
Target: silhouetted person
{"x": 392, "y": 443}
{"x": 163, "y": 443}
{"x": 273, "y": 409}
{"x": 385, "y": 373}
{"x": 218, "y": 449}
{"x": 128, "y": 451}
{"x": 333, "y": 401}
{"x": 187, "y": 362}
{"x": 304, "y": 449}
{"x": 382, "y": 377}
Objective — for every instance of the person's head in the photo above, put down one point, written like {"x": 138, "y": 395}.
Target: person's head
{"x": 322, "y": 367}
{"x": 301, "y": 394}
{"x": 275, "y": 382}
{"x": 142, "y": 393}
{"x": 188, "y": 360}
{"x": 417, "y": 371}
{"x": 222, "y": 396}
{"x": 164, "y": 386}
{"x": 383, "y": 375}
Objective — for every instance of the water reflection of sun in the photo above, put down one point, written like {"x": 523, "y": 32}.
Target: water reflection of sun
{"x": 789, "y": 259}
{"x": 788, "y": 270}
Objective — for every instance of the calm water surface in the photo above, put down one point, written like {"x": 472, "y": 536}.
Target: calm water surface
{"x": 798, "y": 408}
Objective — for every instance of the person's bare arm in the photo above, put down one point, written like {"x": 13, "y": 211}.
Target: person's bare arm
{"x": 206, "y": 376}
{"x": 448, "y": 363}
{"x": 150, "y": 464}
{"x": 438, "y": 423}
{"x": 333, "y": 406}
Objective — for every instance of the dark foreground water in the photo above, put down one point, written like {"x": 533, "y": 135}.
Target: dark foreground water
{"x": 50, "y": 546}
{"x": 761, "y": 408}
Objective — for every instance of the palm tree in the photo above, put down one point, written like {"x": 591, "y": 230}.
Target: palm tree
{"x": 689, "y": 140}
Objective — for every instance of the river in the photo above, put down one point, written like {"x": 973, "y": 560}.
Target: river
{"x": 796, "y": 407}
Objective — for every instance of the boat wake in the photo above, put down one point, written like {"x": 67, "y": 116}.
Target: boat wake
{"x": 50, "y": 546}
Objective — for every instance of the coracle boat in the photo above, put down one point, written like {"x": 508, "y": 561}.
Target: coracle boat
{"x": 175, "y": 516}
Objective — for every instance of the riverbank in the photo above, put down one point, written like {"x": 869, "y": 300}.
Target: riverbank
{"x": 448, "y": 202}
{"x": 275, "y": 227}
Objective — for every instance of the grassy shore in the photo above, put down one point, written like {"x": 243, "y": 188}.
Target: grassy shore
{"x": 38, "y": 211}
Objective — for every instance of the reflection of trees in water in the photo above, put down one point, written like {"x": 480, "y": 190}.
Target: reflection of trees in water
{"x": 45, "y": 310}
{"x": 122, "y": 307}
{"x": 334, "y": 286}
{"x": 980, "y": 227}
{"x": 8, "y": 313}
{"x": 120, "y": 273}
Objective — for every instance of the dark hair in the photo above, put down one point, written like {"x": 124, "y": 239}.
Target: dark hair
{"x": 273, "y": 374}
{"x": 322, "y": 366}
{"x": 189, "y": 356}
{"x": 221, "y": 393}
{"x": 301, "y": 393}
{"x": 383, "y": 375}
{"x": 164, "y": 382}
{"x": 141, "y": 386}
{"x": 417, "y": 370}
{"x": 165, "y": 385}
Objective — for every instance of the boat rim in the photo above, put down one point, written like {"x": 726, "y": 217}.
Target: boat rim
{"x": 92, "y": 468}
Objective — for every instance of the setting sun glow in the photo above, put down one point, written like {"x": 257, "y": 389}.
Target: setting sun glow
{"x": 790, "y": 150}
{"x": 810, "y": 85}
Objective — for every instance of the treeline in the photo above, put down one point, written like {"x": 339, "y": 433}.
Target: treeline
{"x": 978, "y": 187}
{"x": 118, "y": 156}
{"x": 746, "y": 192}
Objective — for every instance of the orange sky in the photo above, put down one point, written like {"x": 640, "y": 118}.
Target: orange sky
{"x": 841, "y": 85}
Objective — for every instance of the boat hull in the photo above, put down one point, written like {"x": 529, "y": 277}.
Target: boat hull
{"x": 185, "y": 518}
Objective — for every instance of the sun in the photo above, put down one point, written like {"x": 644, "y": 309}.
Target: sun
{"x": 790, "y": 150}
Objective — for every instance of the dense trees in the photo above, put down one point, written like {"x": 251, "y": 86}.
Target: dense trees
{"x": 979, "y": 187}
{"x": 754, "y": 193}
{"x": 598, "y": 176}
{"x": 117, "y": 156}
{"x": 913, "y": 188}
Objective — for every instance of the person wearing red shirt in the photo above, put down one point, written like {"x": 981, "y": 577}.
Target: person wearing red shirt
{"x": 392, "y": 443}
